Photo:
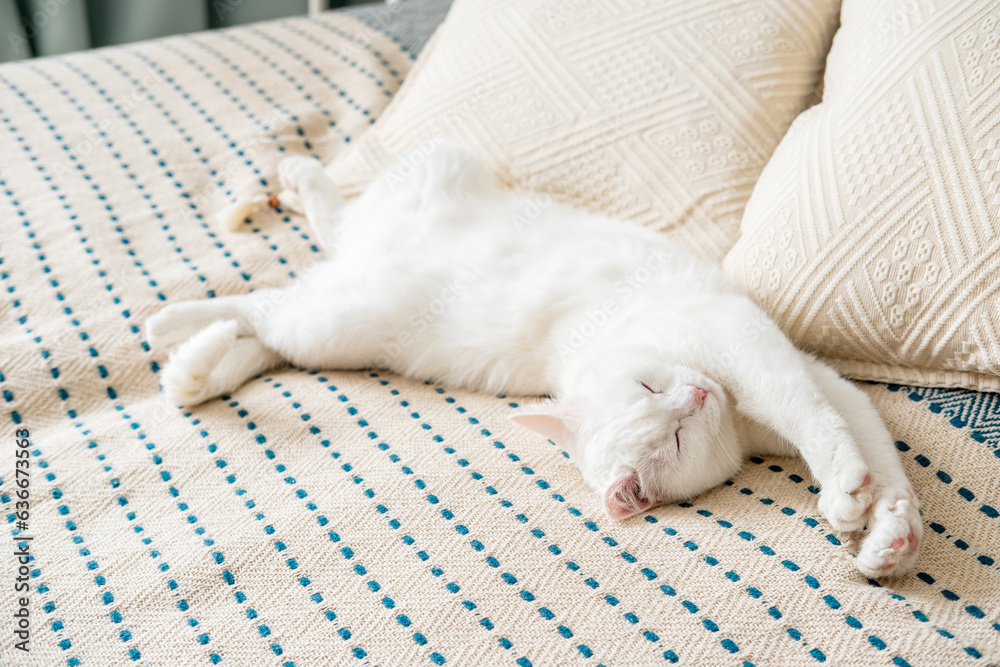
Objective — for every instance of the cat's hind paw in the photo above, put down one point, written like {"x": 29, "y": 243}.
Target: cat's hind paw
{"x": 846, "y": 502}
{"x": 290, "y": 201}
{"x": 187, "y": 377}
{"x": 297, "y": 172}
{"x": 893, "y": 541}
{"x": 231, "y": 217}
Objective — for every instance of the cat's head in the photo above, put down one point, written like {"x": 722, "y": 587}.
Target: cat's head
{"x": 649, "y": 435}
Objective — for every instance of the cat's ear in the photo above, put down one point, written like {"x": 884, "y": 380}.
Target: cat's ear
{"x": 552, "y": 421}
{"x": 624, "y": 497}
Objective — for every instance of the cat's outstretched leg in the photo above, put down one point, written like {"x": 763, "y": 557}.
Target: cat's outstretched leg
{"x": 894, "y": 527}
{"x": 829, "y": 421}
{"x": 226, "y": 340}
{"x": 178, "y": 322}
{"x": 309, "y": 189}
{"x": 773, "y": 384}
{"x": 213, "y": 362}
{"x": 330, "y": 320}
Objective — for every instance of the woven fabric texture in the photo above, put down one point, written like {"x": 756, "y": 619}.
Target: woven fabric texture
{"x": 660, "y": 113}
{"x": 873, "y": 236}
{"x": 359, "y": 518}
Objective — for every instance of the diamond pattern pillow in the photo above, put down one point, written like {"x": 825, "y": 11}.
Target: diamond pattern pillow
{"x": 873, "y": 235}
{"x": 663, "y": 113}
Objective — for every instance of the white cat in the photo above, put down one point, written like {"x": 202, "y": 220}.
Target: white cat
{"x": 666, "y": 377}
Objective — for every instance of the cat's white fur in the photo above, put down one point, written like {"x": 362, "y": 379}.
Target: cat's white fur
{"x": 665, "y": 376}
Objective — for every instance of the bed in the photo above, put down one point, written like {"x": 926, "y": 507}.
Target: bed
{"x": 363, "y": 518}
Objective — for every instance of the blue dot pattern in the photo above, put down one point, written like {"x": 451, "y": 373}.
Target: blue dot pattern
{"x": 361, "y": 518}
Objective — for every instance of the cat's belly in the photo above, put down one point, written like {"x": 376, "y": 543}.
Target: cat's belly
{"x": 459, "y": 360}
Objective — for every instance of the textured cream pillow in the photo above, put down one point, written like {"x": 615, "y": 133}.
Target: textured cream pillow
{"x": 663, "y": 113}
{"x": 873, "y": 235}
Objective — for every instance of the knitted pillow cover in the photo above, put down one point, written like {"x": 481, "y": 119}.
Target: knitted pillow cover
{"x": 662, "y": 113}
{"x": 873, "y": 235}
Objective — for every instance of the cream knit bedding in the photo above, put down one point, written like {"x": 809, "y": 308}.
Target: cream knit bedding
{"x": 358, "y": 518}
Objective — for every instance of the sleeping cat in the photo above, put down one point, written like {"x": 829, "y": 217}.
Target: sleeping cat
{"x": 665, "y": 376}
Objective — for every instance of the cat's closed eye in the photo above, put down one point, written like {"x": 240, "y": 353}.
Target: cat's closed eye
{"x": 648, "y": 388}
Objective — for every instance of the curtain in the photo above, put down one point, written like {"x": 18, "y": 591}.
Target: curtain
{"x": 49, "y": 27}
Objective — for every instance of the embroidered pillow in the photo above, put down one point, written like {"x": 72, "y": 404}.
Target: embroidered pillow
{"x": 663, "y": 113}
{"x": 873, "y": 235}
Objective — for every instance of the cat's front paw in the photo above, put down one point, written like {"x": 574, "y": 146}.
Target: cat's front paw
{"x": 894, "y": 533}
{"x": 845, "y": 500}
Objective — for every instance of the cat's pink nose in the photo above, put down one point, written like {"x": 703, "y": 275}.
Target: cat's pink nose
{"x": 699, "y": 394}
